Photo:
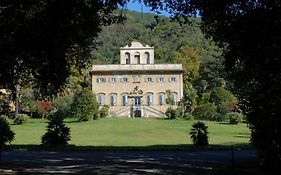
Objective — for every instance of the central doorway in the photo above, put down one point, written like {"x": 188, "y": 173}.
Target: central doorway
{"x": 137, "y": 113}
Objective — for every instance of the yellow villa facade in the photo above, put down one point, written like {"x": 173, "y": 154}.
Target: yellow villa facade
{"x": 137, "y": 87}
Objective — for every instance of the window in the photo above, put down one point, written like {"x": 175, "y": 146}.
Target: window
{"x": 125, "y": 79}
{"x": 113, "y": 80}
{"x": 137, "y": 79}
{"x": 174, "y": 97}
{"x": 149, "y": 99}
{"x": 127, "y": 58}
{"x": 161, "y": 79}
{"x": 101, "y": 99}
{"x": 137, "y": 100}
{"x": 100, "y": 80}
{"x": 149, "y": 79}
{"x": 173, "y": 79}
{"x": 147, "y": 57}
{"x": 161, "y": 99}
{"x": 113, "y": 99}
{"x": 125, "y": 99}
{"x": 137, "y": 58}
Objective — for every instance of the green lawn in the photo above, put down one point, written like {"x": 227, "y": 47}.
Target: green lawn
{"x": 132, "y": 132}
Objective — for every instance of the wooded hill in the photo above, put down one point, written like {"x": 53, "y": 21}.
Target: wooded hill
{"x": 166, "y": 36}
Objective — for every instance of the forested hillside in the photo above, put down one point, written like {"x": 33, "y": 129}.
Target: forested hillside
{"x": 165, "y": 36}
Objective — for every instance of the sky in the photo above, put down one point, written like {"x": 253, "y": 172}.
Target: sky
{"x": 136, "y": 6}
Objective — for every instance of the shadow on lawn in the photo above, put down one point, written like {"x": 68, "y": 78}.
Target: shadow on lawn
{"x": 183, "y": 147}
{"x": 133, "y": 160}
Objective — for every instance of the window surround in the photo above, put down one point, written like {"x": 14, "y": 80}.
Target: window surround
{"x": 113, "y": 99}
{"x": 147, "y": 56}
{"x": 173, "y": 79}
{"x": 148, "y": 79}
{"x": 161, "y": 96}
{"x": 127, "y": 58}
{"x": 112, "y": 80}
{"x": 125, "y": 79}
{"x": 149, "y": 98}
{"x": 101, "y": 98}
{"x": 161, "y": 79}
{"x": 137, "y": 57}
{"x": 125, "y": 99}
{"x": 101, "y": 80}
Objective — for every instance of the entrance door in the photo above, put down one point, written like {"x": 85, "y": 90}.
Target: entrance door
{"x": 137, "y": 113}
{"x": 137, "y": 100}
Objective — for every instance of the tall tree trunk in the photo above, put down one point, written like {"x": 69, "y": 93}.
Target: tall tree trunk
{"x": 17, "y": 100}
{"x": 0, "y": 151}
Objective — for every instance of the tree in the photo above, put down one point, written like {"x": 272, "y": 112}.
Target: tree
{"x": 250, "y": 32}
{"x": 224, "y": 100}
{"x": 190, "y": 60}
{"x": 63, "y": 103}
{"x": 84, "y": 106}
{"x": 27, "y": 102}
{"x": 199, "y": 134}
{"x": 43, "y": 107}
{"x": 170, "y": 100}
{"x": 7, "y": 135}
{"x": 165, "y": 35}
{"x": 36, "y": 37}
{"x": 57, "y": 133}
{"x": 188, "y": 102}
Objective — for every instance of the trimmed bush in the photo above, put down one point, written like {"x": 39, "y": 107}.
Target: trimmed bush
{"x": 218, "y": 117}
{"x": 234, "y": 117}
{"x": 57, "y": 133}
{"x": 103, "y": 112}
{"x": 171, "y": 113}
{"x": 20, "y": 119}
{"x": 199, "y": 134}
{"x": 84, "y": 106}
{"x": 205, "y": 111}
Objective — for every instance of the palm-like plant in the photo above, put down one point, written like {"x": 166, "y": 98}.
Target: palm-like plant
{"x": 57, "y": 133}
{"x": 199, "y": 134}
{"x": 6, "y": 134}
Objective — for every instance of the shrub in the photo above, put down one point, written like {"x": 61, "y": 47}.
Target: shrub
{"x": 43, "y": 107}
{"x": 6, "y": 134}
{"x": 223, "y": 99}
{"x": 84, "y": 106}
{"x": 199, "y": 134}
{"x": 218, "y": 117}
{"x": 234, "y": 117}
{"x": 103, "y": 112}
{"x": 20, "y": 119}
{"x": 27, "y": 103}
{"x": 188, "y": 116}
{"x": 205, "y": 111}
{"x": 63, "y": 103}
{"x": 171, "y": 113}
{"x": 57, "y": 133}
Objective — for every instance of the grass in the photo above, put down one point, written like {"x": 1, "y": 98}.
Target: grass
{"x": 112, "y": 132}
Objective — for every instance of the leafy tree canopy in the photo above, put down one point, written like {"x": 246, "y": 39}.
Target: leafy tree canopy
{"x": 250, "y": 31}
{"x": 166, "y": 36}
{"x": 190, "y": 61}
{"x": 37, "y": 36}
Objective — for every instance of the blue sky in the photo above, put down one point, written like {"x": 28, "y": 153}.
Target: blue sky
{"x": 136, "y": 6}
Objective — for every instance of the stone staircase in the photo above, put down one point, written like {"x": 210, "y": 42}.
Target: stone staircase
{"x": 146, "y": 111}
{"x": 155, "y": 111}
